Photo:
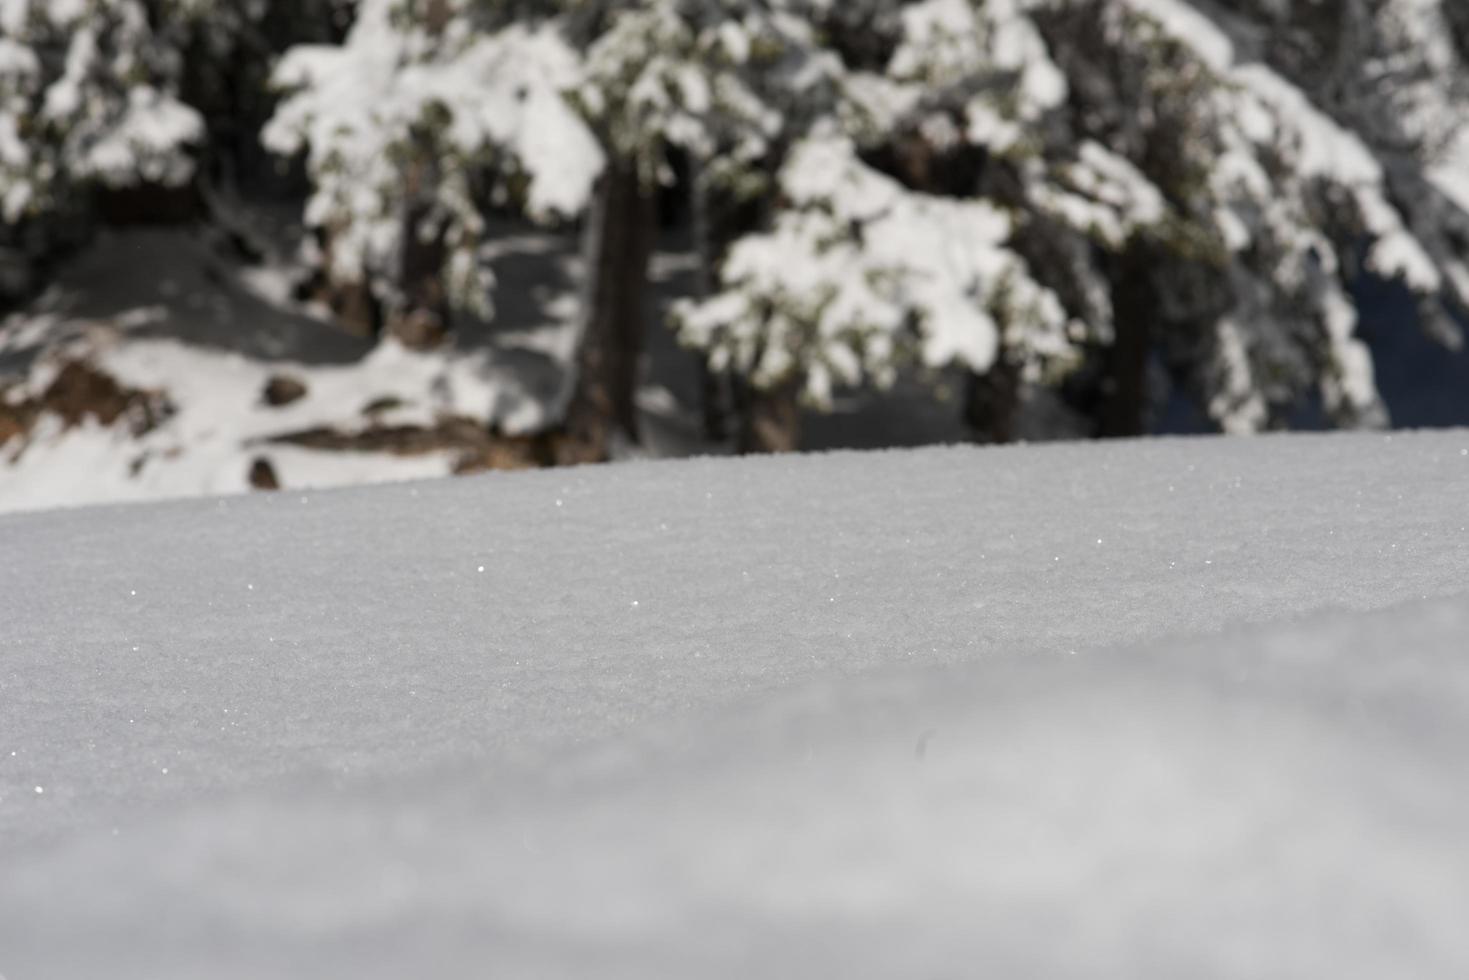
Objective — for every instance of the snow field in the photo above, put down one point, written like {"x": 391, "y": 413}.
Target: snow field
{"x": 929, "y": 713}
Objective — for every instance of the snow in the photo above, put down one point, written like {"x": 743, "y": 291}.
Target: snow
{"x": 946, "y": 40}
{"x": 88, "y": 94}
{"x": 852, "y": 262}
{"x": 145, "y": 142}
{"x": 1152, "y": 709}
{"x": 1113, "y": 198}
{"x": 210, "y": 333}
{"x": 505, "y": 91}
{"x": 1180, "y": 20}
{"x": 366, "y": 113}
{"x": 719, "y": 82}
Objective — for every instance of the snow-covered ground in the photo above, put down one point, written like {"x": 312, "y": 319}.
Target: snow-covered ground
{"x": 170, "y": 311}
{"x": 1182, "y": 708}
{"x": 175, "y": 313}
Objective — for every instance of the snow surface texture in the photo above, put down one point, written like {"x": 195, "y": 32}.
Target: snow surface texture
{"x": 1012, "y": 712}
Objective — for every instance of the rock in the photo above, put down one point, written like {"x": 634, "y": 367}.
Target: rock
{"x": 14, "y": 421}
{"x": 505, "y": 453}
{"x": 262, "y": 475}
{"x": 82, "y": 390}
{"x": 282, "y": 389}
{"x": 386, "y": 403}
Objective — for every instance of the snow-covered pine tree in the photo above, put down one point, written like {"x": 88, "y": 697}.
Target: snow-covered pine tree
{"x": 227, "y": 49}
{"x": 124, "y": 103}
{"x": 865, "y": 270}
{"x": 1138, "y": 187}
{"x": 88, "y": 99}
{"x": 431, "y": 112}
{"x": 1397, "y": 75}
{"x": 1290, "y": 203}
{"x": 1054, "y": 195}
{"x": 886, "y": 250}
{"x": 722, "y": 85}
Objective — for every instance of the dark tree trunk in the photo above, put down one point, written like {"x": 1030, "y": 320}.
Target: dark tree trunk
{"x": 714, "y": 385}
{"x": 619, "y": 245}
{"x": 1124, "y": 405}
{"x": 421, "y": 320}
{"x": 992, "y": 403}
{"x": 714, "y": 397}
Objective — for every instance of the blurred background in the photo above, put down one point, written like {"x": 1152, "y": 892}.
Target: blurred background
{"x": 265, "y": 244}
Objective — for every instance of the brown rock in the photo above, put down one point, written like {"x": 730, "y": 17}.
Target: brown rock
{"x": 282, "y": 389}
{"x": 81, "y": 390}
{"x": 15, "y": 419}
{"x": 262, "y": 475}
{"x": 504, "y": 453}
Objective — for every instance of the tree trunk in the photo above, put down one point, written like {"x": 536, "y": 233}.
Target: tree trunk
{"x": 714, "y": 398}
{"x": 1124, "y": 405}
{"x": 770, "y": 418}
{"x": 713, "y": 385}
{"x": 992, "y": 402}
{"x": 421, "y": 321}
{"x": 619, "y": 245}
{"x": 353, "y": 304}
{"x": 728, "y": 400}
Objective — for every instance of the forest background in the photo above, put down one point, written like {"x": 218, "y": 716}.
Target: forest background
{"x": 289, "y": 243}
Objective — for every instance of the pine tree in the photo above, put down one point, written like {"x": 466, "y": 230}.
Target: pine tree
{"x": 227, "y": 49}
{"x": 721, "y": 85}
{"x": 1396, "y": 75}
{"x": 430, "y": 113}
{"x": 890, "y": 246}
{"x": 1057, "y": 197}
{"x": 115, "y": 109}
{"x": 1290, "y": 202}
{"x": 1135, "y": 187}
{"x": 88, "y": 98}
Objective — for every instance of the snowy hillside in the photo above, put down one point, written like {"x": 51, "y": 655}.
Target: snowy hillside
{"x": 1186, "y": 708}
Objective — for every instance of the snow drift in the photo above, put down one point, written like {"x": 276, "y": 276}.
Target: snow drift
{"x": 1181, "y": 708}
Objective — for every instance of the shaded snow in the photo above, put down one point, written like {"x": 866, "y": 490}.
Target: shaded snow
{"x": 880, "y": 714}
